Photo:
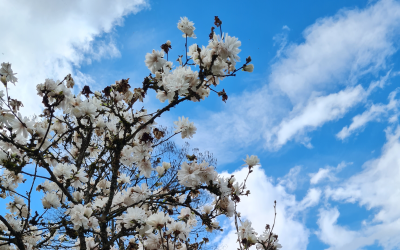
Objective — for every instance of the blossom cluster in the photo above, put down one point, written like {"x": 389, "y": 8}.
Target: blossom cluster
{"x": 101, "y": 168}
{"x": 248, "y": 237}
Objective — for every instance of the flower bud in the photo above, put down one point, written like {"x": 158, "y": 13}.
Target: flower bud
{"x": 248, "y": 68}
{"x": 166, "y": 165}
{"x": 4, "y": 80}
{"x": 168, "y": 42}
{"x": 248, "y": 59}
{"x": 70, "y": 81}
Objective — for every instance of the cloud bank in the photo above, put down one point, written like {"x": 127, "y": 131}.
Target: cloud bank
{"x": 51, "y": 39}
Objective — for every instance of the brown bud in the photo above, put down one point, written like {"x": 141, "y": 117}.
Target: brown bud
{"x": 248, "y": 59}
{"x": 191, "y": 157}
{"x": 223, "y": 94}
{"x": 211, "y": 33}
{"x": 107, "y": 91}
{"x": 166, "y": 46}
{"x": 158, "y": 134}
{"x": 86, "y": 91}
{"x": 123, "y": 86}
{"x": 217, "y": 21}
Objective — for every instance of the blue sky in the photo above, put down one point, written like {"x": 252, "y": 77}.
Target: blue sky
{"x": 320, "y": 109}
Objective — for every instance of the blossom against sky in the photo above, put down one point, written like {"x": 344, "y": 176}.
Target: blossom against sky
{"x": 320, "y": 108}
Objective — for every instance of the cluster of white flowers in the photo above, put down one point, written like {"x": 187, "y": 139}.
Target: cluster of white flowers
{"x": 186, "y": 128}
{"x": 9, "y": 179}
{"x": 7, "y": 74}
{"x": 248, "y": 237}
{"x": 101, "y": 166}
{"x": 246, "y": 233}
{"x": 187, "y": 27}
{"x": 268, "y": 239}
{"x": 193, "y": 174}
{"x": 81, "y": 217}
{"x": 216, "y": 61}
{"x": 155, "y": 61}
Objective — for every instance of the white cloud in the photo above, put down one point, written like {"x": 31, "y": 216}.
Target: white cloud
{"x": 311, "y": 199}
{"x": 327, "y": 173}
{"x": 336, "y": 236}
{"x": 291, "y": 178}
{"x": 376, "y": 187}
{"x": 323, "y": 173}
{"x": 359, "y": 121}
{"x": 373, "y": 113}
{"x": 47, "y": 39}
{"x": 339, "y": 237}
{"x": 316, "y": 112}
{"x": 338, "y": 50}
{"x": 258, "y": 208}
{"x": 281, "y": 40}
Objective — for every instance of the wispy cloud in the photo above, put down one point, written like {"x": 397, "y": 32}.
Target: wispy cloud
{"x": 374, "y": 112}
{"x": 314, "y": 114}
{"x": 281, "y": 40}
{"x": 327, "y": 173}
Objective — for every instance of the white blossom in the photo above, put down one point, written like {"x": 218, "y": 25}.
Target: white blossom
{"x": 247, "y": 232}
{"x": 251, "y": 161}
{"x": 51, "y": 200}
{"x": 157, "y": 220}
{"x": 188, "y": 175}
{"x": 123, "y": 178}
{"x": 8, "y": 73}
{"x": 79, "y": 216}
{"x": 133, "y": 216}
{"x": 160, "y": 170}
{"x": 186, "y": 27}
{"x": 186, "y": 128}
{"x": 155, "y": 61}
{"x": 21, "y": 125}
{"x": 178, "y": 229}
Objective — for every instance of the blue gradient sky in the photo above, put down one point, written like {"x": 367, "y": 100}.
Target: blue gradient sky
{"x": 328, "y": 48}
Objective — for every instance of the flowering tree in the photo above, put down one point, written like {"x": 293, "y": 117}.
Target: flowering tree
{"x": 101, "y": 166}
